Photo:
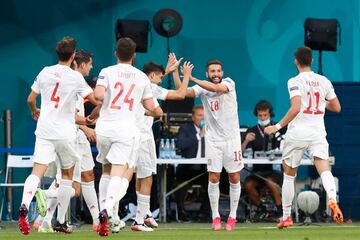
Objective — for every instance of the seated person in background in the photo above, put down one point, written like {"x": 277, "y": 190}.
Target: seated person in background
{"x": 191, "y": 142}
{"x": 258, "y": 141}
{"x": 190, "y": 139}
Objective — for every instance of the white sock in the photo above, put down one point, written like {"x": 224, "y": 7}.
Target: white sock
{"x": 51, "y": 192}
{"x": 64, "y": 195}
{"x": 148, "y": 212}
{"x": 287, "y": 192}
{"x": 113, "y": 194}
{"x": 31, "y": 184}
{"x": 124, "y": 187}
{"x": 328, "y": 182}
{"x": 103, "y": 187}
{"x": 51, "y": 204}
{"x": 89, "y": 194}
{"x": 214, "y": 195}
{"x": 143, "y": 204}
{"x": 234, "y": 192}
{"x": 116, "y": 212}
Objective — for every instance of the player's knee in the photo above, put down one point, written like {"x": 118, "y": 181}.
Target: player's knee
{"x": 87, "y": 176}
{"x": 214, "y": 177}
{"x": 234, "y": 178}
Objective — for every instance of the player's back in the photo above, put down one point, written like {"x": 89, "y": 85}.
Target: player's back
{"x": 58, "y": 86}
{"x": 126, "y": 87}
{"x": 314, "y": 90}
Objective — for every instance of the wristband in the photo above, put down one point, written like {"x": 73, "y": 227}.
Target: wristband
{"x": 278, "y": 126}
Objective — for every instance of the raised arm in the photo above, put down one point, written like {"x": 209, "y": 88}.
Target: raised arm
{"x": 212, "y": 87}
{"x": 173, "y": 66}
{"x": 180, "y": 93}
{"x": 289, "y": 116}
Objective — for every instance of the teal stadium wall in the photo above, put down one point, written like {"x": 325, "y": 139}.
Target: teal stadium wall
{"x": 255, "y": 40}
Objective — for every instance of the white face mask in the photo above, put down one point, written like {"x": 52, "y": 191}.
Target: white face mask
{"x": 264, "y": 123}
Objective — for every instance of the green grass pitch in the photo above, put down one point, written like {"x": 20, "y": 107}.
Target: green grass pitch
{"x": 194, "y": 231}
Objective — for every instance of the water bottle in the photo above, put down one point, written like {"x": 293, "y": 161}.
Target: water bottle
{"x": 167, "y": 148}
{"x": 162, "y": 148}
{"x": 248, "y": 153}
{"x": 172, "y": 149}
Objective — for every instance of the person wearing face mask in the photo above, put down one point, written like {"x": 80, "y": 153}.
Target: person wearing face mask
{"x": 258, "y": 141}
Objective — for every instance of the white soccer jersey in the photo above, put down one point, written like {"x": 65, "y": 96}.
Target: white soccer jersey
{"x": 58, "y": 86}
{"x": 126, "y": 87}
{"x": 314, "y": 90}
{"x": 145, "y": 122}
{"x": 221, "y": 114}
{"x": 81, "y": 137}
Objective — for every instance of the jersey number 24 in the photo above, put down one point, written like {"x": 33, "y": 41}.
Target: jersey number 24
{"x": 127, "y": 99}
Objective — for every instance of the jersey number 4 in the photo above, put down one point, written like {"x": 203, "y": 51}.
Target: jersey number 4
{"x": 127, "y": 98}
{"x": 309, "y": 110}
{"x": 55, "y": 98}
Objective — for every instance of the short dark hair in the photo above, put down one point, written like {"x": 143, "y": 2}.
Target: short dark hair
{"x": 82, "y": 56}
{"x": 197, "y": 107}
{"x": 304, "y": 56}
{"x": 153, "y": 67}
{"x": 263, "y": 105}
{"x": 213, "y": 61}
{"x": 125, "y": 48}
{"x": 65, "y": 48}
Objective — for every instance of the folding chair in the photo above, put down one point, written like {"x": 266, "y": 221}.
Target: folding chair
{"x": 14, "y": 161}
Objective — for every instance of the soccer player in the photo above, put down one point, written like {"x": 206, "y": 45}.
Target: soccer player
{"x": 83, "y": 170}
{"x": 146, "y": 161}
{"x": 222, "y": 137}
{"x": 122, "y": 88}
{"x": 83, "y": 64}
{"x": 59, "y": 87}
{"x": 310, "y": 94}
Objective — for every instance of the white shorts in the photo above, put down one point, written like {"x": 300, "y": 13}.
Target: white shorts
{"x": 146, "y": 161}
{"x": 294, "y": 151}
{"x": 86, "y": 162}
{"x": 115, "y": 151}
{"x": 46, "y": 152}
{"x": 86, "y": 157}
{"x": 225, "y": 154}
